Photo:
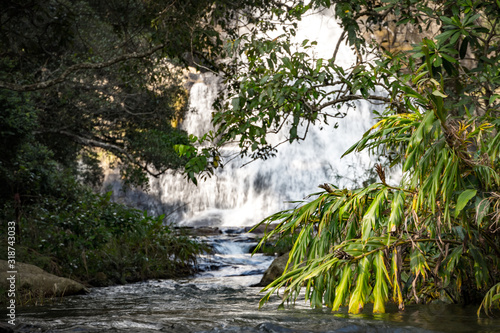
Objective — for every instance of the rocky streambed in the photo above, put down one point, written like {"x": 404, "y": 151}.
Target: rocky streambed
{"x": 224, "y": 298}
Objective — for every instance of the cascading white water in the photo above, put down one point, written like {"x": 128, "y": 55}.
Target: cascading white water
{"x": 242, "y": 196}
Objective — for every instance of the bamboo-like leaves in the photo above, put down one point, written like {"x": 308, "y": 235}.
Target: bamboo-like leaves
{"x": 370, "y": 244}
{"x": 450, "y": 264}
{"x": 418, "y": 263}
{"x": 418, "y": 141}
{"x": 362, "y": 289}
{"x": 463, "y": 199}
{"x": 343, "y": 288}
{"x": 397, "y": 211}
{"x": 396, "y": 268}
{"x": 380, "y": 289}
{"x": 372, "y": 215}
{"x": 491, "y": 298}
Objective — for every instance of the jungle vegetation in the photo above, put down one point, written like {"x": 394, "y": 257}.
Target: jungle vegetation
{"x": 81, "y": 81}
{"x": 435, "y": 234}
{"x": 67, "y": 87}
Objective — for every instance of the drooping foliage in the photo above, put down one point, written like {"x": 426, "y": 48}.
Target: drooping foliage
{"x": 435, "y": 233}
{"x": 433, "y": 65}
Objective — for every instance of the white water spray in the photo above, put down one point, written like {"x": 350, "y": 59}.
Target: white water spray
{"x": 243, "y": 196}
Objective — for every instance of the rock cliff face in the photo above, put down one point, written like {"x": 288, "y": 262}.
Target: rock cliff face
{"x": 393, "y": 38}
{"x": 34, "y": 281}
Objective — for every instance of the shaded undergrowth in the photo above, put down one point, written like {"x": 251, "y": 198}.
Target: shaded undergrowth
{"x": 89, "y": 238}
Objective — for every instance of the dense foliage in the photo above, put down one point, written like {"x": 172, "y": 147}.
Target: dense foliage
{"x": 91, "y": 74}
{"x": 434, "y": 235}
{"x": 86, "y": 237}
{"x": 80, "y": 79}
{"x": 101, "y": 242}
{"x": 432, "y": 64}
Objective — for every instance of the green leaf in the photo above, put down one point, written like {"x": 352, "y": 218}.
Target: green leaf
{"x": 358, "y": 297}
{"x": 342, "y": 289}
{"x": 447, "y": 20}
{"x": 463, "y": 47}
{"x": 380, "y": 290}
{"x": 418, "y": 263}
{"x": 372, "y": 214}
{"x": 397, "y": 211}
{"x": 463, "y": 199}
{"x": 449, "y": 58}
{"x": 482, "y": 208}
{"x": 235, "y": 103}
{"x": 395, "y": 278}
{"x": 455, "y": 38}
{"x": 493, "y": 98}
{"x": 264, "y": 79}
{"x": 379, "y": 9}
{"x": 481, "y": 272}
{"x": 491, "y": 297}
{"x": 439, "y": 93}
{"x": 445, "y": 35}
{"x": 470, "y": 19}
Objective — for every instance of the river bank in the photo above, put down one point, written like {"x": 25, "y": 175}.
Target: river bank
{"x": 37, "y": 287}
{"x": 97, "y": 242}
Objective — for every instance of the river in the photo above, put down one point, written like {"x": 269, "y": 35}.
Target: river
{"x": 222, "y": 299}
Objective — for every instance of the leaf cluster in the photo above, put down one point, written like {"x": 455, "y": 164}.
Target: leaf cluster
{"x": 434, "y": 235}
{"x": 111, "y": 74}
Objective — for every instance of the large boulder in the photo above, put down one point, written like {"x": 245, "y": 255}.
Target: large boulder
{"x": 34, "y": 280}
{"x": 274, "y": 271}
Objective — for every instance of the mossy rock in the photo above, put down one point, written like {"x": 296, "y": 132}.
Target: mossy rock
{"x": 32, "y": 280}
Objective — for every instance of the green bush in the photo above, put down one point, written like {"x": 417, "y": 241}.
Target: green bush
{"x": 98, "y": 242}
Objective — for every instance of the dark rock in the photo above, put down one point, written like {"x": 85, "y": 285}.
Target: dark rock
{"x": 201, "y": 231}
{"x": 274, "y": 271}
{"x": 261, "y": 229}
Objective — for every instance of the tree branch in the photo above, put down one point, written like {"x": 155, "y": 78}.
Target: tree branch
{"x": 110, "y": 147}
{"x": 348, "y": 98}
{"x": 71, "y": 69}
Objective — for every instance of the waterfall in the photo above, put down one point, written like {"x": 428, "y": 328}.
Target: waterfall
{"x": 243, "y": 196}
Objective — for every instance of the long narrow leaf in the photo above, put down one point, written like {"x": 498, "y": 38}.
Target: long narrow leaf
{"x": 361, "y": 291}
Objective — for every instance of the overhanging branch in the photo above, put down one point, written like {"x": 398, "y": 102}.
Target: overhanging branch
{"x": 71, "y": 69}
{"x": 347, "y": 98}
{"x": 109, "y": 147}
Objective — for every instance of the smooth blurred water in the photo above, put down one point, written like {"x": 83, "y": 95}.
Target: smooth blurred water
{"x": 229, "y": 304}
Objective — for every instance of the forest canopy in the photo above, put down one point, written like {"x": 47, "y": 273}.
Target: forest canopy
{"x": 84, "y": 80}
{"x": 81, "y": 75}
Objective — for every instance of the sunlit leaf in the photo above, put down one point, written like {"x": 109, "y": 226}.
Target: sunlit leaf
{"x": 463, "y": 199}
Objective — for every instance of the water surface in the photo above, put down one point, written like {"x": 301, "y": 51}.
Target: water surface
{"x": 224, "y": 300}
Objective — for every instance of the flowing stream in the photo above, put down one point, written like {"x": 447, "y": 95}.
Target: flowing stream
{"x": 223, "y": 300}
